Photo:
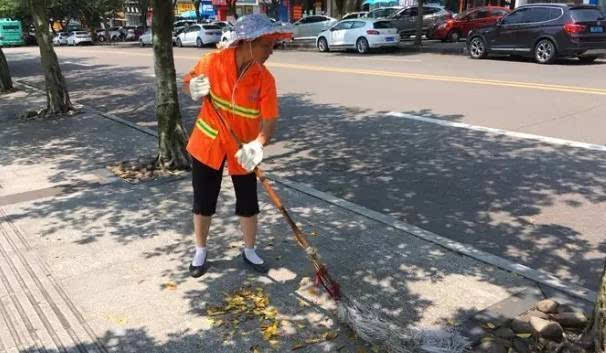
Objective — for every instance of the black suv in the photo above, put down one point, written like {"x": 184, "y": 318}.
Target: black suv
{"x": 545, "y": 32}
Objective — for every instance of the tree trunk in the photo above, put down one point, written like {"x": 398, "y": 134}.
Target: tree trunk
{"x": 6, "y": 83}
{"x": 419, "y": 32}
{"x": 143, "y": 7}
{"x": 597, "y": 325}
{"x": 57, "y": 97}
{"x": 171, "y": 136}
{"x": 231, "y": 8}
{"x": 196, "y": 4}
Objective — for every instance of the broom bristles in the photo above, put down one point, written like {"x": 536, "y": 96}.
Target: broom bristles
{"x": 377, "y": 330}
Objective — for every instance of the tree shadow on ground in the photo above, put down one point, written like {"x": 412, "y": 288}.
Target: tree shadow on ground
{"x": 126, "y": 91}
{"x": 498, "y": 193}
{"x": 511, "y": 197}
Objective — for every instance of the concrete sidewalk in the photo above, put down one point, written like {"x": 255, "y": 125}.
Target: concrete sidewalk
{"x": 90, "y": 263}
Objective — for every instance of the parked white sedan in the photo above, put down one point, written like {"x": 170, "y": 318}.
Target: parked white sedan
{"x": 146, "y": 38}
{"x": 199, "y": 36}
{"x": 79, "y": 37}
{"x": 360, "y": 34}
{"x": 60, "y": 39}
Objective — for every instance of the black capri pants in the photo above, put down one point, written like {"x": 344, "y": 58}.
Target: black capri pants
{"x": 207, "y": 184}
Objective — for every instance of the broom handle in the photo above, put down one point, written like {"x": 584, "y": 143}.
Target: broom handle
{"x": 301, "y": 237}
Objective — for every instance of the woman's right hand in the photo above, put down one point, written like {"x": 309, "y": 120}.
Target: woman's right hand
{"x": 199, "y": 87}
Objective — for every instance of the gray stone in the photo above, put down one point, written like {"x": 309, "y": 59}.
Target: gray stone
{"x": 490, "y": 346}
{"x": 505, "y": 343}
{"x": 505, "y": 333}
{"x": 521, "y": 326}
{"x": 548, "y": 306}
{"x": 573, "y": 320}
{"x": 547, "y": 329}
{"x": 520, "y": 346}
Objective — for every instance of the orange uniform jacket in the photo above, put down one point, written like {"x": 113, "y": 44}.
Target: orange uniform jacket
{"x": 242, "y": 105}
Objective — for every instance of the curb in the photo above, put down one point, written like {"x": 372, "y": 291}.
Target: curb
{"x": 536, "y": 276}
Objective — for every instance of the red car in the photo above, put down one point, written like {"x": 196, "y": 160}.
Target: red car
{"x": 457, "y": 28}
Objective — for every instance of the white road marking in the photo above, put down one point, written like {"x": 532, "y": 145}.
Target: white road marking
{"x": 80, "y": 64}
{"x": 520, "y": 135}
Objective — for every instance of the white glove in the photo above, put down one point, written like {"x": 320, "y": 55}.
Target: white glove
{"x": 199, "y": 87}
{"x": 250, "y": 155}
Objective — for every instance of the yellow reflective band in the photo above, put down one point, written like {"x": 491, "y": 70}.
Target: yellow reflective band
{"x": 227, "y": 106}
{"x": 206, "y": 129}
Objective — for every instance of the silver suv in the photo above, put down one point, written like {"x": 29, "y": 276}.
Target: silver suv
{"x": 405, "y": 20}
{"x": 311, "y": 26}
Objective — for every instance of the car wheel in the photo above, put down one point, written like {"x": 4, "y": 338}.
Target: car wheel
{"x": 141, "y": 43}
{"x": 101, "y": 39}
{"x": 199, "y": 43}
{"x": 588, "y": 59}
{"x": 179, "y": 44}
{"x": 545, "y": 52}
{"x": 323, "y": 45}
{"x": 362, "y": 46}
{"x": 454, "y": 36}
{"x": 477, "y": 48}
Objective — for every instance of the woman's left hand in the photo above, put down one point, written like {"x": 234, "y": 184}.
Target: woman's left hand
{"x": 250, "y": 155}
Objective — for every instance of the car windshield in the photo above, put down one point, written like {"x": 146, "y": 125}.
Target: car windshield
{"x": 586, "y": 15}
{"x": 461, "y": 15}
{"x": 81, "y": 32}
{"x": 210, "y": 27}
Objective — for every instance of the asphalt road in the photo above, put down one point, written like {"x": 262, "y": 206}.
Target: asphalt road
{"x": 349, "y": 127}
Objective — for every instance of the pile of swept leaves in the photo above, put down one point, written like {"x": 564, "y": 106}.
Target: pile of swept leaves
{"x": 247, "y": 304}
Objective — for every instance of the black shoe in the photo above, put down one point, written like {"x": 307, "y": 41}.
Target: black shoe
{"x": 262, "y": 268}
{"x": 197, "y": 271}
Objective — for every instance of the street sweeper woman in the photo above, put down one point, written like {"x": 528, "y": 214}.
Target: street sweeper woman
{"x": 237, "y": 118}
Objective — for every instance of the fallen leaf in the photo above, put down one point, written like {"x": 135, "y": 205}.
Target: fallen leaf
{"x": 270, "y": 331}
{"x": 524, "y": 335}
{"x": 330, "y": 335}
{"x": 169, "y": 286}
{"x": 490, "y": 325}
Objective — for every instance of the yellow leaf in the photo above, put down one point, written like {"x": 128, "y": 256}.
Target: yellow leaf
{"x": 490, "y": 325}
{"x": 270, "y": 331}
{"x": 487, "y": 339}
{"x": 313, "y": 340}
{"x": 169, "y": 286}
{"x": 524, "y": 335}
